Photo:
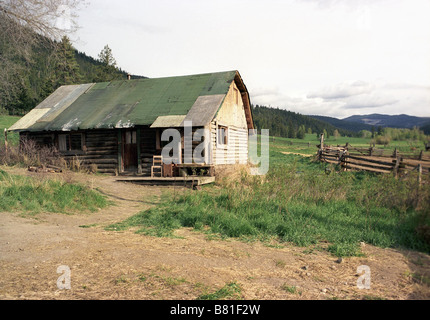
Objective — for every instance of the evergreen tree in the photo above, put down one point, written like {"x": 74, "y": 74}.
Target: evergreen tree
{"x": 67, "y": 69}
{"x": 106, "y": 57}
{"x": 336, "y": 134}
{"x": 291, "y": 132}
{"x": 107, "y": 70}
{"x": 301, "y": 132}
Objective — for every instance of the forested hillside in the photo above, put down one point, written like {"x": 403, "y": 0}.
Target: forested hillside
{"x": 288, "y": 124}
{"x": 343, "y": 124}
{"x": 39, "y": 67}
{"x": 392, "y": 121}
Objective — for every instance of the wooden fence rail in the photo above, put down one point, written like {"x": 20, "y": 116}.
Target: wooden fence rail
{"x": 374, "y": 160}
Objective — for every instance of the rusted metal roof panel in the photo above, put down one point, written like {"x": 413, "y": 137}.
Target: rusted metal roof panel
{"x": 126, "y": 103}
{"x": 29, "y": 119}
{"x": 204, "y": 109}
{"x": 168, "y": 122}
{"x": 50, "y": 108}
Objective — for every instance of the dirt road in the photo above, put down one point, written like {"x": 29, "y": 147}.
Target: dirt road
{"x": 125, "y": 265}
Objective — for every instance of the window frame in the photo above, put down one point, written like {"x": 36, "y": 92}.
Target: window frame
{"x": 222, "y": 139}
{"x": 66, "y": 145}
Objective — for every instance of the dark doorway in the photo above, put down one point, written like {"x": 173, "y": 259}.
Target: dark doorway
{"x": 129, "y": 149}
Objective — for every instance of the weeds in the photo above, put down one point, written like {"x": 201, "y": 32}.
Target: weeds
{"x": 28, "y": 154}
{"x": 290, "y": 289}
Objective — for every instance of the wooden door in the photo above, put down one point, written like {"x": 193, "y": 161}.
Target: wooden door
{"x": 129, "y": 149}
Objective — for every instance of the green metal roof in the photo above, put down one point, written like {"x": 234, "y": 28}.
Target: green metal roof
{"x": 125, "y": 103}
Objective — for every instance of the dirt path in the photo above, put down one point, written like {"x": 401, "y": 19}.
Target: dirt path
{"x": 125, "y": 265}
{"x": 300, "y": 154}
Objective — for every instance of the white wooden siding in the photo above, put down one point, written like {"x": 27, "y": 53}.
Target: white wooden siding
{"x": 236, "y": 150}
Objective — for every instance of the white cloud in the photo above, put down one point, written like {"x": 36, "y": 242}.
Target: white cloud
{"x": 304, "y": 55}
{"x": 342, "y": 90}
{"x": 354, "y": 97}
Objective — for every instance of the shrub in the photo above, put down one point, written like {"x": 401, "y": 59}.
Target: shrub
{"x": 28, "y": 154}
{"x": 384, "y": 140}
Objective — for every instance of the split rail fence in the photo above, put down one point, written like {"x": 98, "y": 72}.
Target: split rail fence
{"x": 375, "y": 160}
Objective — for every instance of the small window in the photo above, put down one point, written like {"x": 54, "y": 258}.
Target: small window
{"x": 75, "y": 142}
{"x": 222, "y": 135}
{"x": 130, "y": 137}
{"x": 236, "y": 96}
{"x": 70, "y": 142}
{"x": 62, "y": 142}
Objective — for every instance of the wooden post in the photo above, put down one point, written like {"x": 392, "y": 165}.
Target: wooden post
{"x": 5, "y": 141}
{"x": 119, "y": 140}
{"x": 396, "y": 153}
{"x": 420, "y": 172}
{"x": 421, "y": 155}
{"x": 343, "y": 160}
{"x": 322, "y": 141}
{"x": 139, "y": 157}
{"x": 396, "y": 167}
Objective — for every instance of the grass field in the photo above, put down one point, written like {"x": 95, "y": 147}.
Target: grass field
{"x": 302, "y": 203}
{"x": 308, "y": 145}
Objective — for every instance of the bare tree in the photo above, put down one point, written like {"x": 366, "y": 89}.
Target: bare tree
{"x": 24, "y": 25}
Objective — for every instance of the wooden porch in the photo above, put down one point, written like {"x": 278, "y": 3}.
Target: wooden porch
{"x": 194, "y": 182}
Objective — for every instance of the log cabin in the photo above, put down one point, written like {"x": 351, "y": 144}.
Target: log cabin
{"x": 117, "y": 126}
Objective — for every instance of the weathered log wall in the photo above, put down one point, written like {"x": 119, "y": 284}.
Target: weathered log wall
{"x": 99, "y": 149}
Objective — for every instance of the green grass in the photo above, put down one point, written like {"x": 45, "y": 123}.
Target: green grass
{"x": 230, "y": 291}
{"x": 290, "y": 289}
{"x": 309, "y": 143}
{"x": 19, "y": 193}
{"x": 299, "y": 202}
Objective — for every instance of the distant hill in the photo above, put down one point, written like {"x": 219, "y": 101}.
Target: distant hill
{"x": 393, "y": 121}
{"x": 426, "y": 128}
{"x": 288, "y": 124}
{"x": 343, "y": 124}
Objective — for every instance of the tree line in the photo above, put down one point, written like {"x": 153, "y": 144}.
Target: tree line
{"x": 384, "y": 135}
{"x": 288, "y": 124}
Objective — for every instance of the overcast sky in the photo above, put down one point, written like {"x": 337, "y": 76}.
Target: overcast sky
{"x": 325, "y": 57}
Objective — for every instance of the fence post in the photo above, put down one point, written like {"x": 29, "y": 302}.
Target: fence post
{"x": 420, "y": 172}
{"x": 396, "y": 167}
{"x": 343, "y": 160}
{"x": 5, "y": 142}
{"x": 322, "y": 141}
